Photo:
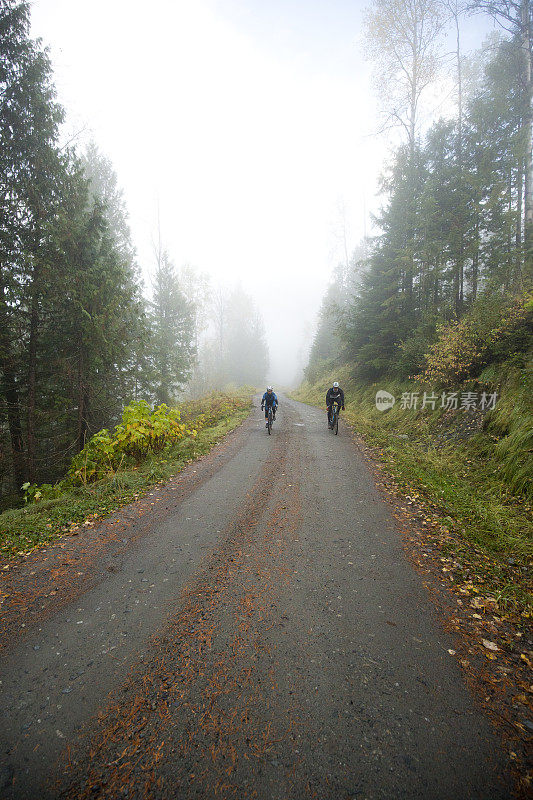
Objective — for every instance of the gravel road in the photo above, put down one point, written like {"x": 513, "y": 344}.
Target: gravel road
{"x": 259, "y": 633}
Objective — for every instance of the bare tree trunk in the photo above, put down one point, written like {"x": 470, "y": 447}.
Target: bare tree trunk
{"x": 415, "y": 91}
{"x": 518, "y": 232}
{"x": 509, "y": 236}
{"x": 32, "y": 371}
{"x": 412, "y": 120}
{"x": 81, "y": 434}
{"x": 456, "y": 301}
{"x": 11, "y": 395}
{"x": 475, "y": 243}
{"x": 475, "y": 261}
{"x": 460, "y": 266}
{"x": 10, "y": 392}
{"x": 528, "y": 125}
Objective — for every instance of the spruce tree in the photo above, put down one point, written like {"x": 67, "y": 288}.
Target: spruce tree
{"x": 29, "y": 163}
{"x": 172, "y": 342}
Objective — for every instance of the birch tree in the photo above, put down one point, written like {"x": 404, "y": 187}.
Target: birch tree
{"x": 402, "y": 41}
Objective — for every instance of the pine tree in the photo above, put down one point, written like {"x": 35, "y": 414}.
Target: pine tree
{"x": 29, "y": 164}
{"x": 172, "y": 341}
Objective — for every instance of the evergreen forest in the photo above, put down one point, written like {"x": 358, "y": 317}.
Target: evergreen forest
{"x": 80, "y": 336}
{"x": 443, "y": 288}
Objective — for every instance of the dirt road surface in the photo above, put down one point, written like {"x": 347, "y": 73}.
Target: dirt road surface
{"x": 252, "y": 630}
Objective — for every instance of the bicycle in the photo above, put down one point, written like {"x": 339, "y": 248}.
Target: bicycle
{"x": 334, "y": 419}
{"x": 269, "y": 420}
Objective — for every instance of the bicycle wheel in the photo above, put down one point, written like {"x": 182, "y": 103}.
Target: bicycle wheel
{"x": 269, "y": 422}
{"x": 336, "y": 424}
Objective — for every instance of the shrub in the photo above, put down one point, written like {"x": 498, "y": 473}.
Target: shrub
{"x": 142, "y": 431}
{"x": 35, "y": 493}
{"x": 492, "y": 330}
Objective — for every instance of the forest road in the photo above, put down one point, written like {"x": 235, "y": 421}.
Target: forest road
{"x": 266, "y": 638}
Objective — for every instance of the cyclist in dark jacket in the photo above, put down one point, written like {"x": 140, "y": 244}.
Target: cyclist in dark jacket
{"x": 269, "y": 399}
{"x": 334, "y": 395}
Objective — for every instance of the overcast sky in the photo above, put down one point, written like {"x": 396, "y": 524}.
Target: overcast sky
{"x": 250, "y": 123}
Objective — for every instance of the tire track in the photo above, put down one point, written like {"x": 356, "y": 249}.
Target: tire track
{"x": 54, "y": 576}
{"x": 193, "y": 719}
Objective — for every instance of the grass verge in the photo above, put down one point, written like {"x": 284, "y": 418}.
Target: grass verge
{"x": 451, "y": 464}
{"x": 24, "y": 529}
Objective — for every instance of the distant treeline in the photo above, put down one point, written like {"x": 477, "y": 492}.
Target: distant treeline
{"x": 453, "y": 263}
{"x": 78, "y": 340}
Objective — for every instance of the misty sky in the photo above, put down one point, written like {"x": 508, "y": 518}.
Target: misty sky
{"x": 251, "y": 125}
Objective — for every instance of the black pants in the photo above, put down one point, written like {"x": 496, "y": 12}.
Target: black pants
{"x": 273, "y": 411}
{"x": 329, "y": 410}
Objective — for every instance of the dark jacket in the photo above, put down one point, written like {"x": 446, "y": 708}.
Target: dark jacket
{"x": 269, "y": 399}
{"x": 331, "y": 397}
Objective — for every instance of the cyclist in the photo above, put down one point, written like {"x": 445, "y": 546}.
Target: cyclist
{"x": 269, "y": 399}
{"x": 334, "y": 395}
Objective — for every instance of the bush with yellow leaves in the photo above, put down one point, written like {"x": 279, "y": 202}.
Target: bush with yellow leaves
{"x": 493, "y": 330}
{"x": 141, "y": 432}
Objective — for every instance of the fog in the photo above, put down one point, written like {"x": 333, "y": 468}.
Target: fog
{"x": 248, "y": 128}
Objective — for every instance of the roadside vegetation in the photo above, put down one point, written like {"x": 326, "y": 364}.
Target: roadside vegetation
{"x": 148, "y": 447}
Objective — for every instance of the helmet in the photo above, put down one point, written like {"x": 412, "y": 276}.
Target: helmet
{"x": 335, "y": 384}
{"x": 269, "y": 389}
